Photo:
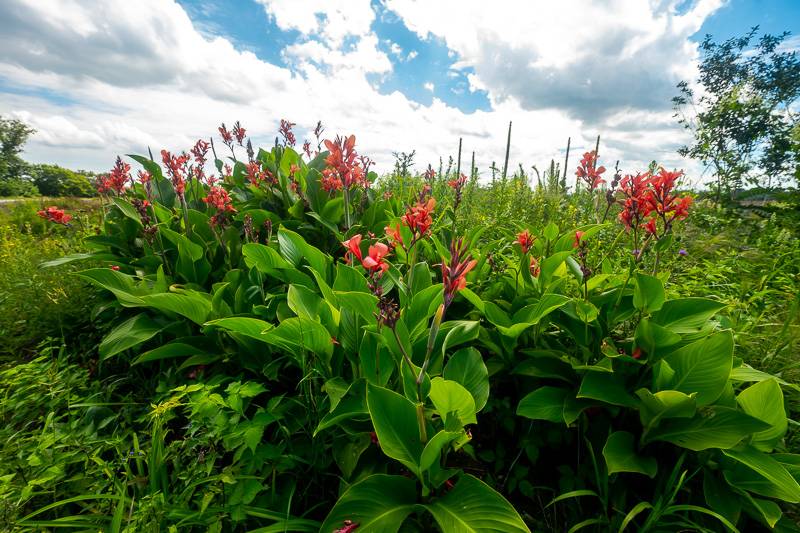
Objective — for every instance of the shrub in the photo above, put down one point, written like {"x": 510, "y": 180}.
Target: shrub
{"x": 312, "y": 371}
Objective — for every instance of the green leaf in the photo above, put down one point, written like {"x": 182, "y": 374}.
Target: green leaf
{"x": 712, "y": 427}
{"x": 545, "y": 403}
{"x": 121, "y": 285}
{"x": 127, "y": 209}
{"x": 633, "y": 513}
{"x": 363, "y": 304}
{"x": 128, "y": 334}
{"x": 648, "y": 294}
{"x": 249, "y": 327}
{"x": 459, "y": 332}
{"x": 169, "y": 351}
{"x": 196, "y": 306}
{"x": 466, "y": 367}
{"x": 295, "y": 249}
{"x": 450, "y": 396}
{"x": 303, "y": 301}
{"x": 264, "y": 258}
{"x": 651, "y": 337}
{"x": 764, "y": 400}
{"x": 605, "y": 387}
{"x": 621, "y": 456}
{"x": 395, "y": 420}
{"x": 378, "y": 504}
{"x": 664, "y": 404}
{"x": 472, "y": 506}
{"x": 302, "y": 334}
{"x": 433, "y": 449}
{"x": 763, "y": 475}
{"x": 352, "y": 405}
{"x": 687, "y": 315}
{"x": 703, "y": 367}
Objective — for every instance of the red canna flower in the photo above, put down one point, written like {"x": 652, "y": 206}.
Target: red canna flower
{"x": 257, "y": 175}
{"x": 286, "y": 131}
{"x": 227, "y": 136}
{"x": 353, "y": 246}
{"x": 307, "y": 149}
{"x": 458, "y": 183}
{"x": 395, "y": 237}
{"x": 637, "y": 353}
{"x": 535, "y": 268}
{"x": 349, "y": 527}
{"x": 636, "y": 199}
{"x": 430, "y": 174}
{"x": 116, "y": 180}
{"x": 454, "y": 272}
{"x": 418, "y": 217}
{"x": 589, "y": 172}
{"x": 343, "y": 168}
{"x": 650, "y": 226}
{"x": 219, "y": 199}
{"x": 114, "y": 268}
{"x": 55, "y": 215}
{"x": 176, "y": 168}
{"x": 525, "y": 240}
{"x": 374, "y": 260}
{"x": 238, "y": 132}
{"x": 144, "y": 177}
{"x": 578, "y": 236}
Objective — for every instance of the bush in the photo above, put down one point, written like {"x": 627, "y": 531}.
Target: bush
{"x": 18, "y": 187}
{"x": 52, "y": 180}
{"x": 317, "y": 355}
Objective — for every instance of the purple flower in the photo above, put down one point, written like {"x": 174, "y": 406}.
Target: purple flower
{"x": 636, "y": 253}
{"x": 683, "y": 252}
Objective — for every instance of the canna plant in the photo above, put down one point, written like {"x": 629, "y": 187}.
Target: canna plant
{"x": 339, "y": 356}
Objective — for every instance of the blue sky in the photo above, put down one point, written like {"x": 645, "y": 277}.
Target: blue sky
{"x": 97, "y": 79}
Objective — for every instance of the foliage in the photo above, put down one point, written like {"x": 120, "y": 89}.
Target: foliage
{"x": 13, "y": 134}
{"x": 52, "y": 180}
{"x": 744, "y": 123}
{"x": 293, "y": 348}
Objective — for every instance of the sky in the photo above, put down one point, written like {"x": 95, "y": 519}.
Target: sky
{"x": 101, "y": 78}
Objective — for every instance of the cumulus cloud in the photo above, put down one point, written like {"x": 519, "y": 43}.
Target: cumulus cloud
{"x": 588, "y": 59}
{"x": 135, "y": 74}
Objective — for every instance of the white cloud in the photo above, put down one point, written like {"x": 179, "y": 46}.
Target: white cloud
{"x": 628, "y": 53}
{"x": 429, "y": 86}
{"x": 139, "y": 74}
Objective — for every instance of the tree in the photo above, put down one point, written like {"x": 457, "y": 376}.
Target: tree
{"x": 744, "y": 126}
{"x": 53, "y": 180}
{"x": 13, "y": 135}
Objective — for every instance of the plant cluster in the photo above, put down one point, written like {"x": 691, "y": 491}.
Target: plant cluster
{"x": 318, "y": 355}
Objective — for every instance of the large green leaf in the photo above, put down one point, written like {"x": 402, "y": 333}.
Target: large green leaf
{"x": 472, "y": 506}
{"x": 170, "y": 351}
{"x": 352, "y": 405}
{"x": 703, "y": 367}
{"x": 621, "y": 456}
{"x": 450, "y": 396}
{"x": 648, "y": 293}
{"x": 664, "y": 404}
{"x": 606, "y": 387}
{"x": 303, "y": 301}
{"x": 466, "y": 367}
{"x": 298, "y": 333}
{"x": 687, "y": 315}
{"x": 249, "y": 327}
{"x": 119, "y": 284}
{"x": 196, "y": 306}
{"x": 763, "y": 475}
{"x": 128, "y": 334}
{"x": 527, "y": 316}
{"x": 295, "y": 249}
{"x": 764, "y": 400}
{"x": 433, "y": 448}
{"x": 377, "y": 504}
{"x": 362, "y": 303}
{"x": 545, "y": 403}
{"x": 712, "y": 427}
{"x": 395, "y": 420}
